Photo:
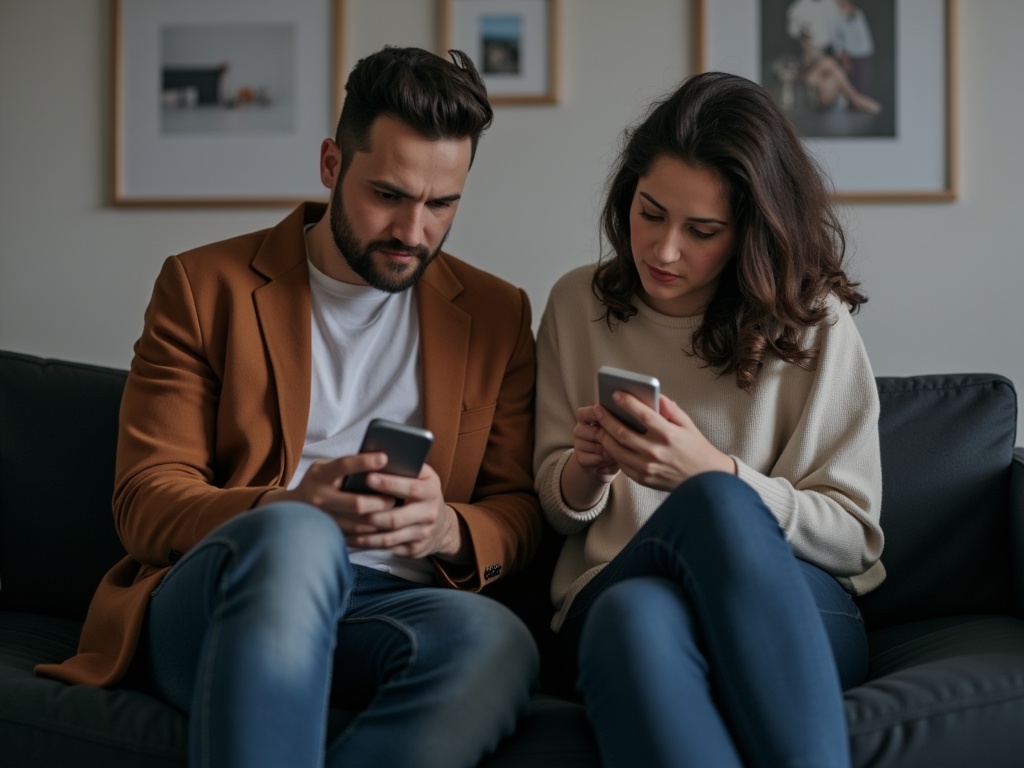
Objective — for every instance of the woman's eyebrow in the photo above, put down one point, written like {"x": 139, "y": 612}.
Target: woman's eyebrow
{"x": 699, "y": 219}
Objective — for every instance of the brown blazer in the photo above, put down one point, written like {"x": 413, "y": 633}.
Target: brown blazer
{"x": 215, "y": 408}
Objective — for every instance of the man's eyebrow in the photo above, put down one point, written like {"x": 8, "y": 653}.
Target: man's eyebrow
{"x": 396, "y": 190}
{"x": 698, "y": 219}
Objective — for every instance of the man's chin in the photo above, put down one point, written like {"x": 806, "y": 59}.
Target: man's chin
{"x": 395, "y": 278}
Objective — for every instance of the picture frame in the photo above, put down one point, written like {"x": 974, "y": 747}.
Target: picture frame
{"x": 223, "y": 102}
{"x": 513, "y": 43}
{"x": 899, "y": 144}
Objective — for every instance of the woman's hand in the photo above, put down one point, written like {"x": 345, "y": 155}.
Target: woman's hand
{"x": 671, "y": 451}
{"x": 593, "y": 459}
{"x": 590, "y": 468}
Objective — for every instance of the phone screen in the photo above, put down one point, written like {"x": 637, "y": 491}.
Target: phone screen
{"x": 644, "y": 388}
{"x": 407, "y": 448}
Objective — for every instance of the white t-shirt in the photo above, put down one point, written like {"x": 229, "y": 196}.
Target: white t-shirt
{"x": 365, "y": 365}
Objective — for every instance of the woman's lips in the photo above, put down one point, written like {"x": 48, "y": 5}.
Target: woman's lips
{"x": 660, "y": 275}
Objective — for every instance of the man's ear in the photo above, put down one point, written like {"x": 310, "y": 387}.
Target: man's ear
{"x": 330, "y": 163}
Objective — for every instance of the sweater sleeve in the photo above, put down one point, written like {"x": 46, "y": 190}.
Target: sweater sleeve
{"x": 557, "y": 371}
{"x": 825, "y": 486}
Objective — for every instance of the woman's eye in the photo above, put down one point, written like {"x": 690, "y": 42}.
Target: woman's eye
{"x": 648, "y": 216}
{"x": 700, "y": 235}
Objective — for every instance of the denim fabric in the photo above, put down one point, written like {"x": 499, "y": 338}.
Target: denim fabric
{"x": 264, "y": 623}
{"x": 705, "y": 642}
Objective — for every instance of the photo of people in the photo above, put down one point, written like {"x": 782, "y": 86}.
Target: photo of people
{"x": 500, "y": 38}
{"x": 831, "y": 64}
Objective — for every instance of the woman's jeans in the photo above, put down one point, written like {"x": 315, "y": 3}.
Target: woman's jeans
{"x": 254, "y": 631}
{"x": 705, "y": 642}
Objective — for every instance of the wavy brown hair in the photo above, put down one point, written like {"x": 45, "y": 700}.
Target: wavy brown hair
{"x": 790, "y": 245}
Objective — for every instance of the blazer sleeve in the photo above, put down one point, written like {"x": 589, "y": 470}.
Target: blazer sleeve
{"x": 503, "y": 516}
{"x": 165, "y": 496}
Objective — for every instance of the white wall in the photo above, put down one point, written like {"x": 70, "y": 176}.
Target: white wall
{"x": 945, "y": 279}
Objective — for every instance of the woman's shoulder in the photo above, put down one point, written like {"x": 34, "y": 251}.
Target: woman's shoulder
{"x": 575, "y": 281}
{"x": 573, "y": 288}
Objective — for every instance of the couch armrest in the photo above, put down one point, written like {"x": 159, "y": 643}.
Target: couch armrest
{"x": 1017, "y": 524}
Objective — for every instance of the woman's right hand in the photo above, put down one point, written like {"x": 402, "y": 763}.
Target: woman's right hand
{"x": 589, "y": 469}
{"x": 592, "y": 457}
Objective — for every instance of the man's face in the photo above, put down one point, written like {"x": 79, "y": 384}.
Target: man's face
{"x": 393, "y": 208}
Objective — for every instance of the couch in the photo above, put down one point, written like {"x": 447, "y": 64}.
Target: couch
{"x": 946, "y": 683}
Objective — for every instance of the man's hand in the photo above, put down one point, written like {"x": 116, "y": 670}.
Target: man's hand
{"x": 421, "y": 525}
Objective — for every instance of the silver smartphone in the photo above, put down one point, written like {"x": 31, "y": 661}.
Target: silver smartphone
{"x": 644, "y": 388}
{"x": 407, "y": 448}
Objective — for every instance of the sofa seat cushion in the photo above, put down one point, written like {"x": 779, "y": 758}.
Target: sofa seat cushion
{"x": 940, "y": 690}
{"x": 43, "y": 722}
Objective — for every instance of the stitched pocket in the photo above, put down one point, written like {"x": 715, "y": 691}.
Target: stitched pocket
{"x": 476, "y": 419}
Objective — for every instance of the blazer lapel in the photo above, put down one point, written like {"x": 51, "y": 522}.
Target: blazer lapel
{"x": 283, "y": 308}
{"x": 444, "y": 351}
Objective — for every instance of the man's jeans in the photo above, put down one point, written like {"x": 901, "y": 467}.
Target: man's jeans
{"x": 254, "y": 631}
{"x": 705, "y": 642}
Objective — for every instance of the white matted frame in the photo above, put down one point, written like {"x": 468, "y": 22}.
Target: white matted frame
{"x": 223, "y": 102}
{"x": 917, "y": 161}
{"x": 514, "y": 44}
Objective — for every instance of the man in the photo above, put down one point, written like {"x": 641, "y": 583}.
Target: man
{"x": 256, "y": 589}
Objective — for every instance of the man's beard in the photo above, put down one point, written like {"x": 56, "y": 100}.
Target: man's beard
{"x": 389, "y": 277}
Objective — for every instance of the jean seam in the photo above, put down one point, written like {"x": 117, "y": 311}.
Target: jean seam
{"x": 577, "y": 610}
{"x": 215, "y": 629}
{"x": 413, "y": 655}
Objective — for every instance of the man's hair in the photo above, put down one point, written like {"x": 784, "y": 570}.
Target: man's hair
{"x": 437, "y": 98}
{"x": 790, "y": 243}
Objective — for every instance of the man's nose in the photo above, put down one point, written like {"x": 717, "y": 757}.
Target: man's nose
{"x": 408, "y": 225}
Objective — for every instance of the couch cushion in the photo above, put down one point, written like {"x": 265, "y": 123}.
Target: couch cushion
{"x": 947, "y": 446}
{"x": 58, "y": 435}
{"x": 941, "y": 692}
{"x": 45, "y": 723}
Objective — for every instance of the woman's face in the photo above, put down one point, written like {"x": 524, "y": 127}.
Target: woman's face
{"x": 682, "y": 234}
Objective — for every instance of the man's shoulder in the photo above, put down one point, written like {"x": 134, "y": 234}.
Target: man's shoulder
{"x": 279, "y": 243}
{"x": 475, "y": 283}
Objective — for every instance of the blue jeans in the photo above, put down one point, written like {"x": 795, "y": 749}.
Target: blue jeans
{"x": 255, "y": 630}
{"x": 705, "y": 642}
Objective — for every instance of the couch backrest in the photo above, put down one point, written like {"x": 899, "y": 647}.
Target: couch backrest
{"x": 947, "y": 444}
{"x": 947, "y": 448}
{"x": 58, "y": 432}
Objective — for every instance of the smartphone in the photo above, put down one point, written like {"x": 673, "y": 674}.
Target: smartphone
{"x": 407, "y": 448}
{"x": 644, "y": 388}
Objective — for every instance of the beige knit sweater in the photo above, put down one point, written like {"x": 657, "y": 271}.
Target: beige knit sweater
{"x": 806, "y": 441}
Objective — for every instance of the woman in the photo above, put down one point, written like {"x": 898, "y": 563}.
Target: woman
{"x": 706, "y": 582}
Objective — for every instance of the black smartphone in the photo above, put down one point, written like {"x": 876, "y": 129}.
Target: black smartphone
{"x": 644, "y": 388}
{"x": 407, "y": 448}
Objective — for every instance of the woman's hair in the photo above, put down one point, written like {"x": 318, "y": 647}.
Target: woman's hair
{"x": 789, "y": 242}
{"x": 437, "y": 98}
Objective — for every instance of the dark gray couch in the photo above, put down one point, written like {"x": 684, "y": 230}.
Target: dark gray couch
{"x": 946, "y": 685}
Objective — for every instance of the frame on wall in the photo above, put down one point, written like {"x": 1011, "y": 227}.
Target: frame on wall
{"x": 223, "y": 102}
{"x": 514, "y": 44}
{"x": 899, "y": 144}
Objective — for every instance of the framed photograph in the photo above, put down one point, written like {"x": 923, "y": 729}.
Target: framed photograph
{"x": 223, "y": 102}
{"x": 514, "y": 44}
{"x": 868, "y": 84}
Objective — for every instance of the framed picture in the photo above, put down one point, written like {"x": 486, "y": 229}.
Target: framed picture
{"x": 514, "y": 44}
{"x": 868, "y": 84}
{"x": 223, "y": 102}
